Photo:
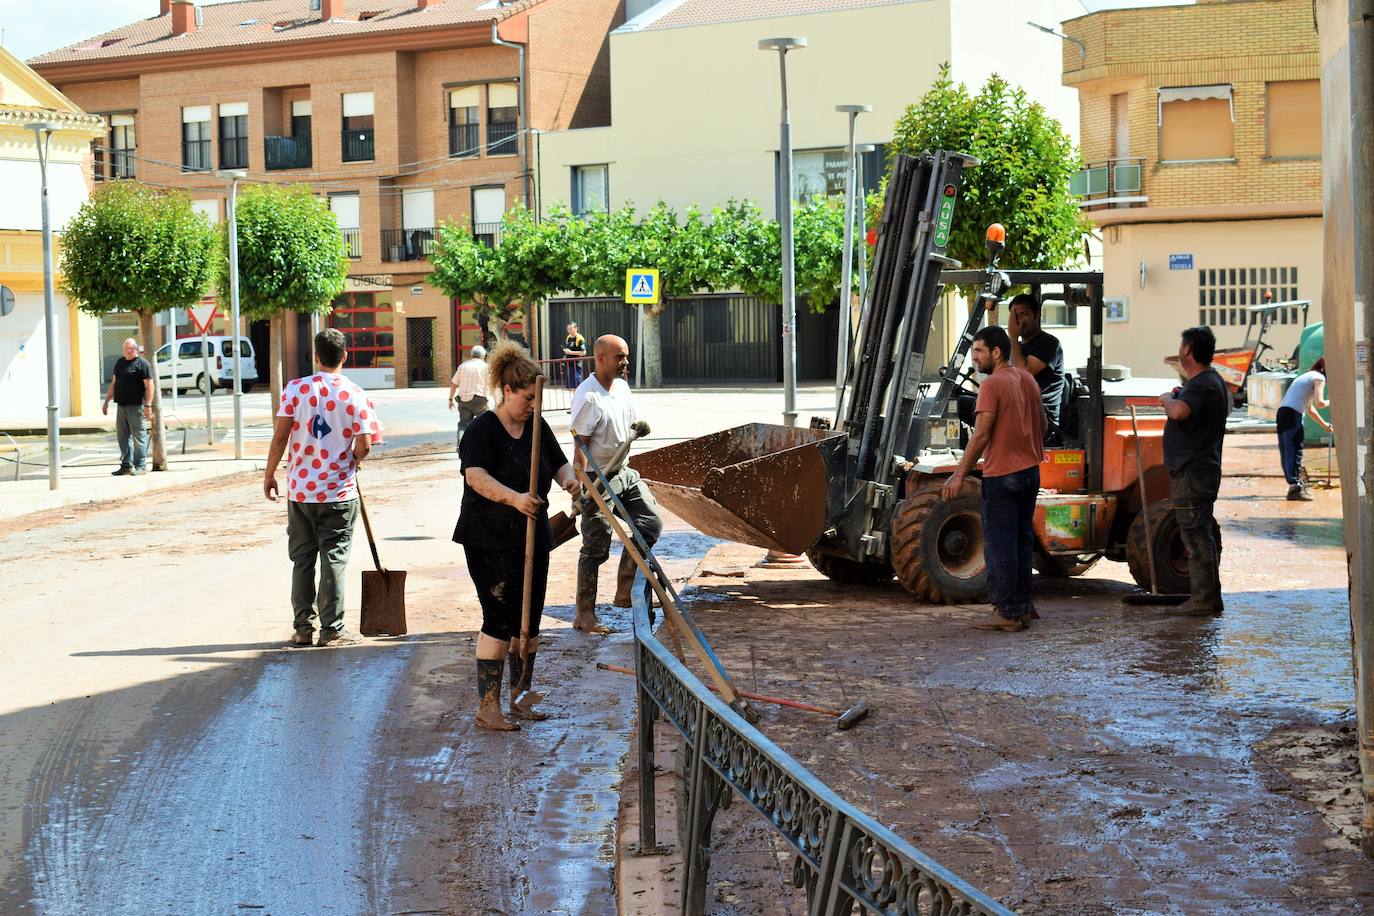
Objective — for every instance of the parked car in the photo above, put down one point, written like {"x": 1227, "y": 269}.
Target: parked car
{"x": 191, "y": 368}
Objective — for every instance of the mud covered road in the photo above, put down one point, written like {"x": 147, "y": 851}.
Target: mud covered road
{"x": 160, "y": 752}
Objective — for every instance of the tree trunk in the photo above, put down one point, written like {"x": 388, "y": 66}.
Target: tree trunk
{"x": 158, "y": 440}
{"x": 276, "y": 328}
{"x": 653, "y": 350}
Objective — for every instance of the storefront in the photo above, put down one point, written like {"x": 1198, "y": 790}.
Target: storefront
{"x": 365, "y": 313}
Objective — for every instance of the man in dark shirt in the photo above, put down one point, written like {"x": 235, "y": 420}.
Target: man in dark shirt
{"x": 1038, "y": 353}
{"x": 575, "y": 349}
{"x": 131, "y": 388}
{"x": 1197, "y": 415}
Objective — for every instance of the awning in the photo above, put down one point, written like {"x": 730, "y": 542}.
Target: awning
{"x": 1195, "y": 93}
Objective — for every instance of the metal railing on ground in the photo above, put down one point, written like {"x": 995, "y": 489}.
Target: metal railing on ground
{"x": 563, "y": 375}
{"x": 842, "y": 856}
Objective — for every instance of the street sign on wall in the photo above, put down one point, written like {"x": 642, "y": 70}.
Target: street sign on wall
{"x": 1180, "y": 262}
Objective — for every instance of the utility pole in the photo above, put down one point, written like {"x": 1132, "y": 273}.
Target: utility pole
{"x": 789, "y": 279}
{"x": 847, "y": 262}
{"x": 1361, "y": 19}
{"x": 42, "y": 135}
{"x": 232, "y": 178}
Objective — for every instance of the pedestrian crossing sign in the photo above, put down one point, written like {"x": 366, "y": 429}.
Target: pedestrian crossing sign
{"x": 641, "y": 286}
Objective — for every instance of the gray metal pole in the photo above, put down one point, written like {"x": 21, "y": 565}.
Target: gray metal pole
{"x": 172, "y": 323}
{"x": 209, "y": 387}
{"x": 847, "y": 260}
{"x": 42, "y": 134}
{"x": 1361, "y": 18}
{"x": 234, "y": 315}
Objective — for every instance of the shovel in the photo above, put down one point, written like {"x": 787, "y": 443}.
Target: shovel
{"x": 528, "y": 698}
{"x": 1152, "y": 596}
{"x": 384, "y": 591}
{"x": 564, "y": 524}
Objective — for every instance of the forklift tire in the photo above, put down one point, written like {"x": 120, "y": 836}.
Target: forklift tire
{"x": 1171, "y": 557}
{"x": 849, "y": 572}
{"x": 1065, "y": 567}
{"x": 937, "y": 546}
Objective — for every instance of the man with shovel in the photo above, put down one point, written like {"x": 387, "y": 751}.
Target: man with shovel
{"x": 329, "y": 425}
{"x": 603, "y": 417}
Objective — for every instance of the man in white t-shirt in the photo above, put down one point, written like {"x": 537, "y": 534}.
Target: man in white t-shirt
{"x": 602, "y": 413}
{"x": 468, "y": 389}
{"x": 329, "y": 426}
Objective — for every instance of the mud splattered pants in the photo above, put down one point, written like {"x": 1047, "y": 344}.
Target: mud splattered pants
{"x": 596, "y": 531}
{"x": 1194, "y": 491}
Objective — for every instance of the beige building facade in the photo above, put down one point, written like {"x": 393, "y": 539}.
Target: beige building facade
{"x": 25, "y": 99}
{"x": 1201, "y": 133}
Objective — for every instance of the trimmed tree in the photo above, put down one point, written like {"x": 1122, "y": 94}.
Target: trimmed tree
{"x": 292, "y": 257}
{"x": 1022, "y": 181}
{"x": 131, "y": 248}
{"x": 473, "y": 272}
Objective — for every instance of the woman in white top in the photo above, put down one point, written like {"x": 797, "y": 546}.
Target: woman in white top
{"x": 1305, "y": 397}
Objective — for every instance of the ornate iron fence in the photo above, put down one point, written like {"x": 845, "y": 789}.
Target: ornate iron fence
{"x": 843, "y": 858}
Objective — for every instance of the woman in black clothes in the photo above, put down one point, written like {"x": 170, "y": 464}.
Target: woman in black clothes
{"x": 495, "y": 454}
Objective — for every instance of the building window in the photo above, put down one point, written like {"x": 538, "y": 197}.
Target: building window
{"x": 590, "y": 189}
{"x": 195, "y": 138}
{"x": 820, "y": 172}
{"x": 233, "y": 135}
{"x": 488, "y": 207}
{"x": 1227, "y": 296}
{"x": 367, "y": 326}
{"x": 348, "y": 214}
{"x": 358, "y": 136}
{"x": 115, "y": 155}
{"x": 503, "y": 119}
{"x": 1293, "y": 119}
{"x": 464, "y": 121}
{"x": 1196, "y": 124}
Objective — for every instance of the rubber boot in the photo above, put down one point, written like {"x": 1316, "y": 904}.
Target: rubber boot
{"x": 625, "y": 580}
{"x": 521, "y": 675}
{"x": 585, "y": 618}
{"x": 1204, "y": 583}
{"x": 489, "y": 696}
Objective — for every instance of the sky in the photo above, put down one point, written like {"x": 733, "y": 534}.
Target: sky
{"x": 32, "y": 27}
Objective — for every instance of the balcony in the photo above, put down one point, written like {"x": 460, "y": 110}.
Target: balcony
{"x": 1110, "y": 183}
{"x": 287, "y": 152}
{"x": 488, "y": 234}
{"x": 501, "y": 138}
{"x": 463, "y": 141}
{"x": 407, "y": 244}
{"x": 353, "y": 241}
{"x": 358, "y": 146}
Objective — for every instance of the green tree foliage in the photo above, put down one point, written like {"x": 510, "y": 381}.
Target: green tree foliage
{"x": 1023, "y": 181}
{"x": 292, "y": 258}
{"x": 130, "y": 248}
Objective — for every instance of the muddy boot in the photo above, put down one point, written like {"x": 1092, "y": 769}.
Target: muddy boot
{"x": 1204, "y": 583}
{"x": 625, "y": 580}
{"x": 489, "y": 696}
{"x": 585, "y": 618}
{"x": 522, "y": 699}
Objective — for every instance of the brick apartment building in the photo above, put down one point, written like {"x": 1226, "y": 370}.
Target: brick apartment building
{"x": 407, "y": 114}
{"x": 1201, "y": 133}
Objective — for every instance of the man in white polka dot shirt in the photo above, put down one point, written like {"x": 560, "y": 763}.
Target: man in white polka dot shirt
{"x": 327, "y": 426}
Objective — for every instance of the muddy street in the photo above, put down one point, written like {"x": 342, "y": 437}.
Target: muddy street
{"x": 162, "y": 752}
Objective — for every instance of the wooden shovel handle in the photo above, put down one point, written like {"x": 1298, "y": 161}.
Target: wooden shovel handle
{"x": 530, "y": 523}
{"x": 367, "y": 526}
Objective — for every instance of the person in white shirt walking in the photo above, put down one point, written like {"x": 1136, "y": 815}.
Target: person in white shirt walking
{"x": 1305, "y": 396}
{"x": 329, "y": 425}
{"x": 602, "y": 414}
{"x": 468, "y": 389}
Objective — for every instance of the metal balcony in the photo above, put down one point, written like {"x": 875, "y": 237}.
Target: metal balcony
{"x": 407, "y": 244}
{"x": 358, "y": 146}
{"x": 287, "y": 152}
{"x": 353, "y": 241}
{"x": 1110, "y": 183}
{"x": 463, "y": 141}
{"x": 488, "y": 234}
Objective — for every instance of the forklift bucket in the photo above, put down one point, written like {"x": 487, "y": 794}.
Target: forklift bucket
{"x": 756, "y": 484}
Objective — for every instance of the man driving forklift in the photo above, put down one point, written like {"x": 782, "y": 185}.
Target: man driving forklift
{"x": 1039, "y": 353}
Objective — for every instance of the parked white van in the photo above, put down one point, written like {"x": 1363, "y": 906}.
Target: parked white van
{"x": 191, "y": 368}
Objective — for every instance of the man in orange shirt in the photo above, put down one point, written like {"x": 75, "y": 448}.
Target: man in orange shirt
{"x": 1007, "y": 434}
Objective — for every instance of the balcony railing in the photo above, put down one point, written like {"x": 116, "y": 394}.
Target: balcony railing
{"x": 1111, "y": 182}
{"x": 407, "y": 244}
{"x": 353, "y": 241}
{"x": 463, "y": 140}
{"x": 487, "y": 233}
{"x": 358, "y": 146}
{"x": 501, "y": 137}
{"x": 287, "y": 152}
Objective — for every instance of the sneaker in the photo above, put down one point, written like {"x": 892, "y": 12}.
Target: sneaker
{"x": 139, "y": 472}
{"x": 1298, "y": 493}
{"x": 338, "y": 638}
{"x": 996, "y": 621}
{"x": 122, "y": 472}
{"x": 302, "y": 639}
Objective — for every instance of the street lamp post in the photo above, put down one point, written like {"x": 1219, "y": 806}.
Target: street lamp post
{"x": 42, "y": 135}
{"x": 789, "y": 291}
{"x": 232, "y": 178}
{"x": 847, "y": 262}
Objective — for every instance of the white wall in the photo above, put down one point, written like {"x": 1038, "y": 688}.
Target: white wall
{"x": 21, "y": 205}
{"x": 24, "y": 362}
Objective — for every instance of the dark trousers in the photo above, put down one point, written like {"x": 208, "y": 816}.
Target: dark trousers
{"x": 468, "y": 411}
{"x": 1289, "y": 423}
{"x": 1194, "y": 491}
{"x": 500, "y": 579}
{"x": 323, "y": 532}
{"x": 1009, "y": 538}
{"x": 597, "y": 533}
{"x": 133, "y": 435}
